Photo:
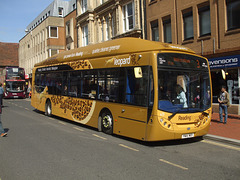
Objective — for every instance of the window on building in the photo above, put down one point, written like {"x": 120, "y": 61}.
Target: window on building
{"x": 53, "y": 32}
{"x": 102, "y": 30}
{"x": 84, "y": 5}
{"x": 128, "y": 16}
{"x": 204, "y": 21}
{"x": 167, "y": 30}
{"x": 74, "y": 6}
{"x": 112, "y": 24}
{"x": 188, "y": 25}
{"x": 85, "y": 35}
{"x": 68, "y": 28}
{"x": 155, "y": 30}
{"x": 107, "y": 28}
{"x": 60, "y": 12}
{"x": 52, "y": 52}
{"x": 233, "y": 12}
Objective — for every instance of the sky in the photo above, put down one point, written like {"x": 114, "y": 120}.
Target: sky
{"x": 16, "y": 15}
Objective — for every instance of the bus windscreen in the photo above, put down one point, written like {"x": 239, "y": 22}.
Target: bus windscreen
{"x": 185, "y": 90}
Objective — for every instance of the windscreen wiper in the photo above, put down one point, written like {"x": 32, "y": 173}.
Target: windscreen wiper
{"x": 205, "y": 114}
{"x": 173, "y": 114}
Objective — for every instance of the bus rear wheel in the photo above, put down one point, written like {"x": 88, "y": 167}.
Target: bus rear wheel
{"x": 107, "y": 122}
{"x": 48, "y": 108}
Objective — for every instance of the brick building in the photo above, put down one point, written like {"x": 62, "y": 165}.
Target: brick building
{"x": 209, "y": 27}
{"x": 8, "y": 56}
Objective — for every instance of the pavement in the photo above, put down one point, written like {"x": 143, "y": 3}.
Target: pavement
{"x": 227, "y": 133}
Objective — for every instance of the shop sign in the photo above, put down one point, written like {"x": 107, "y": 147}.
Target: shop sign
{"x": 224, "y": 62}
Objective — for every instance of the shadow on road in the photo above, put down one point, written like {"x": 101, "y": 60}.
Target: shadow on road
{"x": 149, "y": 144}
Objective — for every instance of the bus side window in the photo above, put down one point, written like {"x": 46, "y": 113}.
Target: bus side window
{"x": 65, "y": 84}
{"x": 108, "y": 85}
{"x": 136, "y": 87}
{"x": 90, "y": 86}
{"x": 74, "y": 81}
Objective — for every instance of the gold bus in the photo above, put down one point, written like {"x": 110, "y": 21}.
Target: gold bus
{"x": 136, "y": 88}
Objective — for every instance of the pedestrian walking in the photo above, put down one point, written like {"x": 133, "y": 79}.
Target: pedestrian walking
{"x": 224, "y": 103}
{"x": 2, "y": 132}
{"x": 1, "y": 94}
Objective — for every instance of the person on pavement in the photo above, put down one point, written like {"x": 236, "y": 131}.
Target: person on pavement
{"x": 2, "y": 132}
{"x": 223, "y": 104}
{"x": 1, "y": 94}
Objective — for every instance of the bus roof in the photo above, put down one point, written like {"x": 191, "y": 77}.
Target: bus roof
{"x": 111, "y": 48}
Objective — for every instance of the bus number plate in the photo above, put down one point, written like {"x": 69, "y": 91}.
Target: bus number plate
{"x": 190, "y": 135}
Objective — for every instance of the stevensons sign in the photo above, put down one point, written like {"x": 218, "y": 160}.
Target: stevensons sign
{"x": 224, "y": 62}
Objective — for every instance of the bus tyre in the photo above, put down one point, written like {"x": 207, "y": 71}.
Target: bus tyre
{"x": 107, "y": 122}
{"x": 48, "y": 108}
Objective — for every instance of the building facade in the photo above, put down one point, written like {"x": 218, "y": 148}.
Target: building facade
{"x": 50, "y": 33}
{"x": 8, "y": 57}
{"x": 66, "y": 25}
{"x": 102, "y": 20}
{"x": 209, "y": 27}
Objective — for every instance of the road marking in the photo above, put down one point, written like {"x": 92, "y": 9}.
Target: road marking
{"x": 173, "y": 164}
{"x": 78, "y": 129}
{"x": 128, "y": 147}
{"x": 20, "y": 107}
{"x": 99, "y": 137}
{"x": 26, "y": 108}
{"x": 51, "y": 119}
{"x": 61, "y": 122}
{"x": 222, "y": 145}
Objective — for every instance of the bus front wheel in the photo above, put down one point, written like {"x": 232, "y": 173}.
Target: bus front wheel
{"x": 48, "y": 108}
{"x": 107, "y": 122}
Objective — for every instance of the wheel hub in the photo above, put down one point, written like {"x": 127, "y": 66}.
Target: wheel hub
{"x": 107, "y": 121}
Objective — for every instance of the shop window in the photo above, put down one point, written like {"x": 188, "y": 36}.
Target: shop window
{"x": 231, "y": 82}
{"x": 204, "y": 21}
{"x": 188, "y": 25}
{"x": 233, "y": 11}
{"x": 155, "y": 30}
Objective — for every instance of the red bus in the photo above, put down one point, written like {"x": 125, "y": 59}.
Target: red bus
{"x": 14, "y": 82}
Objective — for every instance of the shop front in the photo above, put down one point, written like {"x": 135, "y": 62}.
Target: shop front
{"x": 226, "y": 71}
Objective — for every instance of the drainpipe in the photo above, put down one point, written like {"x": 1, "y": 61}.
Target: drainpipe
{"x": 175, "y": 3}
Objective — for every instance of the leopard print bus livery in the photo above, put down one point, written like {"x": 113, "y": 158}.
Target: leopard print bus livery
{"x": 81, "y": 64}
{"x": 81, "y": 110}
{"x": 134, "y": 60}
